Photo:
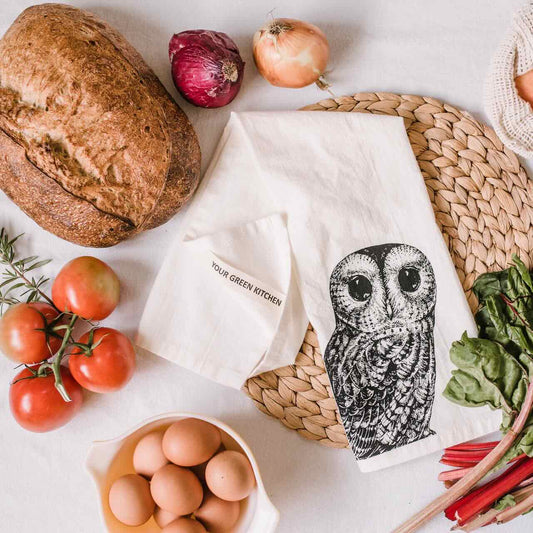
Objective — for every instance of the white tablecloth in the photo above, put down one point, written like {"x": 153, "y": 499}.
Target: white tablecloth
{"x": 439, "y": 48}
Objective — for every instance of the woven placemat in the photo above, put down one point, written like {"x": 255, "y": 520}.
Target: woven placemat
{"x": 483, "y": 203}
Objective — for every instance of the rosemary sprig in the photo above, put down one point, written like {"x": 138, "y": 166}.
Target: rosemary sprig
{"x": 15, "y": 282}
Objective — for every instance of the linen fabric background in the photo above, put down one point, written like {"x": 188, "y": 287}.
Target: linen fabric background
{"x": 287, "y": 196}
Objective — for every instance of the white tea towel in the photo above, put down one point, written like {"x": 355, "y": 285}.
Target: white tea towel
{"x": 321, "y": 217}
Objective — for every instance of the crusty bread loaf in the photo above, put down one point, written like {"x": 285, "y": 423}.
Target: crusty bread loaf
{"x": 92, "y": 147}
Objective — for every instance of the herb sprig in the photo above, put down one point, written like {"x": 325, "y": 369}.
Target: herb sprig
{"x": 16, "y": 283}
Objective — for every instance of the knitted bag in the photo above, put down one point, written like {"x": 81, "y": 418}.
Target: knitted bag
{"x": 511, "y": 116}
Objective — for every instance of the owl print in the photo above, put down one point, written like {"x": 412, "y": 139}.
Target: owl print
{"x": 381, "y": 358}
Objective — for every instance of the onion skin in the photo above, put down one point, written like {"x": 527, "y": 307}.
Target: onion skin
{"x": 207, "y": 68}
{"x": 290, "y": 53}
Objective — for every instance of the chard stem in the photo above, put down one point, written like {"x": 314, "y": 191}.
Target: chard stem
{"x": 515, "y": 312}
{"x": 477, "y": 473}
{"x": 512, "y": 512}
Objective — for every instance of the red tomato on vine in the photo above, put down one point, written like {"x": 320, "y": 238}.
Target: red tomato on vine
{"x": 109, "y": 366}
{"x": 86, "y": 287}
{"x": 37, "y": 405}
{"x": 22, "y": 332}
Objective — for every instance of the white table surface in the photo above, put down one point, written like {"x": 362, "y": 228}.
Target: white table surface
{"x": 438, "y": 48}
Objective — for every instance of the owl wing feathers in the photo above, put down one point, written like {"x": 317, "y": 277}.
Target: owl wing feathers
{"x": 358, "y": 405}
{"x": 382, "y": 394}
{"x": 357, "y": 387}
{"x": 405, "y": 418}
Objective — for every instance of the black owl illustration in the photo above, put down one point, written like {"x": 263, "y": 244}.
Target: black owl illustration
{"x": 381, "y": 358}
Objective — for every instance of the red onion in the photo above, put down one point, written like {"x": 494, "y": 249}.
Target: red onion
{"x": 207, "y": 68}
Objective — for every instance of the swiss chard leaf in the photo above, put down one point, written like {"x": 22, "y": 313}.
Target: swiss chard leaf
{"x": 490, "y": 284}
{"x": 522, "y": 273}
{"x": 505, "y": 502}
{"x": 495, "y": 369}
{"x": 506, "y": 310}
{"x": 487, "y": 375}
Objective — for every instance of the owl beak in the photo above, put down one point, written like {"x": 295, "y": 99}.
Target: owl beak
{"x": 389, "y": 310}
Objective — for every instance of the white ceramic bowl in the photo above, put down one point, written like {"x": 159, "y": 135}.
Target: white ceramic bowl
{"x": 108, "y": 460}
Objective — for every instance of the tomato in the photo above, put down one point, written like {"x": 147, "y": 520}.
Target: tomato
{"x": 37, "y": 405}
{"x": 111, "y": 364}
{"x": 20, "y": 339}
{"x": 86, "y": 287}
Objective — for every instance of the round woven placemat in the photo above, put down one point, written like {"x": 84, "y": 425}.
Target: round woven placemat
{"x": 483, "y": 203}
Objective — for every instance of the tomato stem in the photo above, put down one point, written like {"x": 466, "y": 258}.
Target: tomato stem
{"x": 56, "y": 365}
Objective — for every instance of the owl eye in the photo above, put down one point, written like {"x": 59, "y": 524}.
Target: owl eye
{"x": 360, "y": 288}
{"x": 409, "y": 279}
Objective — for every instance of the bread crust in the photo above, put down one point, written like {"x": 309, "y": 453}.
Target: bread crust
{"x": 50, "y": 196}
{"x": 53, "y": 208}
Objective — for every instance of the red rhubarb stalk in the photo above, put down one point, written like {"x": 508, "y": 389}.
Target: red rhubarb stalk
{"x": 458, "y": 464}
{"x": 470, "y": 457}
{"x": 475, "y": 493}
{"x": 489, "y": 517}
{"x": 466, "y": 456}
{"x": 494, "y": 491}
{"x": 480, "y": 520}
{"x": 473, "y": 461}
{"x": 463, "y": 469}
{"x": 451, "y": 511}
{"x": 451, "y": 475}
{"x": 526, "y": 483}
{"x": 473, "y": 446}
{"x": 477, "y": 473}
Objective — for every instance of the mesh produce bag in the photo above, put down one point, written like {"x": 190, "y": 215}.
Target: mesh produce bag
{"x": 511, "y": 116}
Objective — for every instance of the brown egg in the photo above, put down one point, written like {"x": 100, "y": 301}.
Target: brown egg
{"x": 162, "y": 517}
{"x": 130, "y": 500}
{"x": 148, "y": 456}
{"x": 184, "y": 525}
{"x": 218, "y": 515}
{"x": 229, "y": 476}
{"x": 190, "y": 442}
{"x": 176, "y": 490}
{"x": 199, "y": 470}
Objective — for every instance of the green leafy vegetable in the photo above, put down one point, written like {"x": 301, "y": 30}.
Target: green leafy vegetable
{"x": 487, "y": 375}
{"x": 496, "y": 368}
{"x": 505, "y": 502}
{"x": 506, "y": 308}
{"x": 15, "y": 282}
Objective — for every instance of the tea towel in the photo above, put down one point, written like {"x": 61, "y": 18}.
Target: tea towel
{"x": 321, "y": 217}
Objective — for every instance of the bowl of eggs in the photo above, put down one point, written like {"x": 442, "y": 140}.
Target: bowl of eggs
{"x": 180, "y": 473}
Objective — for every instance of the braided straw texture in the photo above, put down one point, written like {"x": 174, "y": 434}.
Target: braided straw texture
{"x": 483, "y": 203}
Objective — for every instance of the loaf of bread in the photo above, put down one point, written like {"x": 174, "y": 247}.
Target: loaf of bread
{"x": 92, "y": 146}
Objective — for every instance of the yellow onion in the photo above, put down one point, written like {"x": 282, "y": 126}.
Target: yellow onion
{"x": 291, "y": 53}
